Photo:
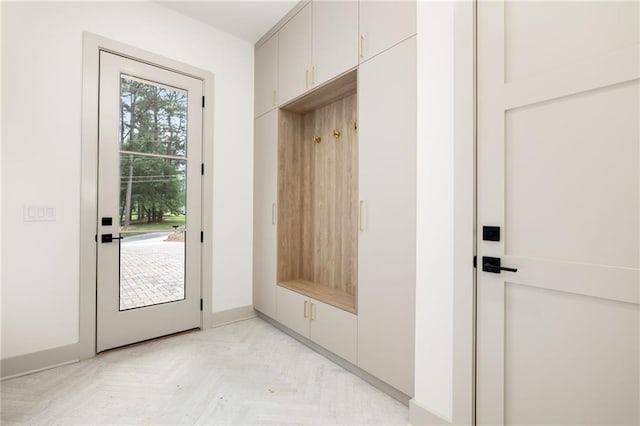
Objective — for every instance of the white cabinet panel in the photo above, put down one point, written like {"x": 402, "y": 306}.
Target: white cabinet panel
{"x": 293, "y": 311}
{"x": 264, "y": 223}
{"x": 330, "y": 327}
{"x": 294, "y": 56}
{"x": 334, "y": 329}
{"x": 266, "y": 76}
{"x": 384, "y": 24}
{"x": 387, "y": 244}
{"x": 335, "y": 38}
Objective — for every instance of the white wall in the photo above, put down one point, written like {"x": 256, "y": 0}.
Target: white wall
{"x": 445, "y": 202}
{"x": 1, "y": 197}
{"x": 41, "y": 113}
{"x": 434, "y": 275}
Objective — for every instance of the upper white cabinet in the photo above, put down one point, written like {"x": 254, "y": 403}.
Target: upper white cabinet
{"x": 264, "y": 213}
{"x": 320, "y": 42}
{"x": 387, "y": 244}
{"x": 266, "y": 76}
{"x": 294, "y": 56}
{"x": 383, "y": 24}
{"x": 335, "y": 39}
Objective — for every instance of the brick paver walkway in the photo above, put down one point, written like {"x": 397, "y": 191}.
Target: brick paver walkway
{"x": 152, "y": 271}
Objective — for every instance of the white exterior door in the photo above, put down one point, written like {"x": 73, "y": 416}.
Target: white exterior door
{"x": 149, "y": 202}
{"x": 558, "y": 173}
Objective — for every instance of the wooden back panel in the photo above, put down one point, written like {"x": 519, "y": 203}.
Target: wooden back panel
{"x": 318, "y": 196}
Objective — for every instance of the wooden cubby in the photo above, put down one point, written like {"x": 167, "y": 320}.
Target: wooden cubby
{"x": 318, "y": 194}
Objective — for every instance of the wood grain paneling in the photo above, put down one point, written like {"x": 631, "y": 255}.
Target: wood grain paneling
{"x": 335, "y": 196}
{"x": 327, "y": 294}
{"x": 330, "y": 92}
{"x": 289, "y": 195}
{"x": 318, "y": 201}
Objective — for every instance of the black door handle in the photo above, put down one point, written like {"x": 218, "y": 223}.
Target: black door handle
{"x": 492, "y": 264}
{"x": 108, "y": 238}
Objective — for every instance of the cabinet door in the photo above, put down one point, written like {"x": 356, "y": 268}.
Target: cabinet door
{"x": 294, "y": 66}
{"x": 293, "y": 311}
{"x": 384, "y": 24}
{"x": 387, "y": 243}
{"x": 334, "y": 329}
{"x": 266, "y": 76}
{"x": 335, "y": 38}
{"x": 264, "y": 220}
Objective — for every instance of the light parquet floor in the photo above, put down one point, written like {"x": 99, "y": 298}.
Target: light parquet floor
{"x": 243, "y": 373}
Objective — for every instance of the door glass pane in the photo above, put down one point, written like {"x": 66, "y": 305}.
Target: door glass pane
{"x": 152, "y": 206}
{"x": 153, "y": 118}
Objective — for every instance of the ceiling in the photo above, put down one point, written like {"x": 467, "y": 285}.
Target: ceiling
{"x": 248, "y": 20}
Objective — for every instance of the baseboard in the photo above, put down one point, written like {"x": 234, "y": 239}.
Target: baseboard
{"x": 37, "y": 361}
{"x": 418, "y": 415}
{"x": 31, "y": 363}
{"x": 231, "y": 316}
{"x": 367, "y": 377}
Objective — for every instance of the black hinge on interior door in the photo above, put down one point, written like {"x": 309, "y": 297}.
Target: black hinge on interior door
{"x": 201, "y": 303}
{"x": 202, "y": 236}
{"x": 202, "y": 169}
{"x": 203, "y": 102}
{"x": 475, "y": 261}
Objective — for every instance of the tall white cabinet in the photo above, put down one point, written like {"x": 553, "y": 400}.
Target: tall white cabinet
{"x": 335, "y": 184}
{"x": 387, "y": 246}
{"x": 264, "y": 212}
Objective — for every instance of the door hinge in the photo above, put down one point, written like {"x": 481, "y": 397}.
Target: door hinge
{"x": 202, "y": 236}
{"x": 201, "y": 303}
{"x": 202, "y": 169}
{"x": 203, "y": 102}
{"x": 95, "y": 237}
{"x": 475, "y": 261}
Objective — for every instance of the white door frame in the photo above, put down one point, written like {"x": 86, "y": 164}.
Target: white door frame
{"x": 450, "y": 148}
{"x": 92, "y": 45}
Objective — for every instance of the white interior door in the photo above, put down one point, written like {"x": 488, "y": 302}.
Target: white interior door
{"x": 149, "y": 202}
{"x": 558, "y": 172}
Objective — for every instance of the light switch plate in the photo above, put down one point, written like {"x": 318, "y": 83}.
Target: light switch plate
{"x": 39, "y": 213}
